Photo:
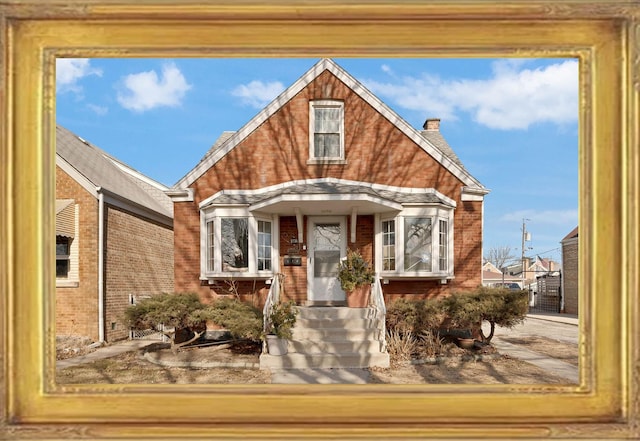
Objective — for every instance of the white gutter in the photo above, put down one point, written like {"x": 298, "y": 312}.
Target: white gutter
{"x": 100, "y": 265}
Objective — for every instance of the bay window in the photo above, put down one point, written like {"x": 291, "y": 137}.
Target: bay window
{"x": 424, "y": 245}
{"x": 236, "y": 243}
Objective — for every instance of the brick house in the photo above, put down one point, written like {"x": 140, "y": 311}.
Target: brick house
{"x": 570, "y": 271}
{"x": 114, "y": 239}
{"x": 325, "y": 167}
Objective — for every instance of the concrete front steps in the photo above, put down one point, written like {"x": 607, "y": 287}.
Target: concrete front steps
{"x": 332, "y": 337}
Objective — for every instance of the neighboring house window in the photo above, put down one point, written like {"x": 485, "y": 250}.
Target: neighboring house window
{"x": 264, "y": 245}
{"x": 235, "y": 244}
{"x": 326, "y": 129}
{"x": 443, "y": 244}
{"x": 417, "y": 244}
{"x": 63, "y": 247}
{"x": 424, "y": 245}
{"x": 389, "y": 245}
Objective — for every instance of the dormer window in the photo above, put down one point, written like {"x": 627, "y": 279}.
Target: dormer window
{"x": 326, "y": 131}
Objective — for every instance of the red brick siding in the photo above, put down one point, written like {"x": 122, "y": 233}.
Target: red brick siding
{"x": 77, "y": 308}
{"x": 138, "y": 260}
{"x": 376, "y": 151}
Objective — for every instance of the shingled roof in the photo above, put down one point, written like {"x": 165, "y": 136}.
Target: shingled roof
{"x": 98, "y": 168}
{"x": 430, "y": 141}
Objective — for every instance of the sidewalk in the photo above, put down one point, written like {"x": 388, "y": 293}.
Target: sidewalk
{"x": 104, "y": 352}
{"x": 569, "y": 319}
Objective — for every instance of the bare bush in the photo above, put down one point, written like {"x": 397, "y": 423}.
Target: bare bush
{"x": 401, "y": 346}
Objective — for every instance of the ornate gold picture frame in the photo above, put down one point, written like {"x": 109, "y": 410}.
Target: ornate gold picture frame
{"x": 604, "y": 36}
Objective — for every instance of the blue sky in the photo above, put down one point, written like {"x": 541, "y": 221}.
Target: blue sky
{"x": 512, "y": 122}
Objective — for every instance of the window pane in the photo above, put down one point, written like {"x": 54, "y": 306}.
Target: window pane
{"x": 443, "y": 248}
{"x": 326, "y": 250}
{"x": 417, "y": 244}
{"x": 388, "y": 245}
{"x": 235, "y": 244}
{"x": 264, "y": 246}
{"x": 62, "y": 268}
{"x": 210, "y": 240}
{"x": 62, "y": 246}
{"x": 327, "y": 145}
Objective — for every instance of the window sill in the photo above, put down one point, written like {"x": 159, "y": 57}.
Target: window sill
{"x": 67, "y": 283}
{"x": 401, "y": 276}
{"x": 320, "y": 161}
{"x": 236, "y": 276}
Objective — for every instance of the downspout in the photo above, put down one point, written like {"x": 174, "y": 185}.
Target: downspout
{"x": 100, "y": 265}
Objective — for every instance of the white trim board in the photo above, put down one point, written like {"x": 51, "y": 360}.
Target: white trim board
{"x": 356, "y": 87}
{"x": 410, "y": 190}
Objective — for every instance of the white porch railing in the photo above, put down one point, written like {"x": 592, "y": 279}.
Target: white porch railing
{"x": 377, "y": 301}
{"x": 272, "y": 298}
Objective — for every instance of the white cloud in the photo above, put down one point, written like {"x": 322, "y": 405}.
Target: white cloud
{"x": 547, "y": 217}
{"x": 70, "y": 70}
{"x": 386, "y": 69}
{"x": 98, "y": 110}
{"x": 513, "y": 98}
{"x": 145, "y": 91}
{"x": 258, "y": 94}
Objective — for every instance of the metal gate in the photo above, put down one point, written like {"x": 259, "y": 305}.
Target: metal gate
{"x": 546, "y": 295}
{"x": 146, "y": 334}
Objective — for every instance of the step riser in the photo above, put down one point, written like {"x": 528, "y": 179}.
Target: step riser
{"x": 337, "y": 323}
{"x": 303, "y": 361}
{"x": 335, "y": 334}
{"x": 314, "y": 347}
{"x": 335, "y": 313}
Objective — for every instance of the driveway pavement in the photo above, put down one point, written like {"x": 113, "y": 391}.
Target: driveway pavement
{"x": 556, "y": 327}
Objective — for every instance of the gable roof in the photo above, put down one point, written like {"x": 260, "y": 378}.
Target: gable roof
{"x": 433, "y": 144}
{"x": 98, "y": 168}
{"x": 571, "y": 235}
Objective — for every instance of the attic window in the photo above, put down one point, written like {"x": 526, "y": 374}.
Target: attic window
{"x": 326, "y": 130}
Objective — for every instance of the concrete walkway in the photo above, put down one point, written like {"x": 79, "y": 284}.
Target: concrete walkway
{"x": 560, "y": 327}
{"x": 104, "y": 352}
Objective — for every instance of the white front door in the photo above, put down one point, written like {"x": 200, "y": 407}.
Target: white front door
{"x": 327, "y": 244}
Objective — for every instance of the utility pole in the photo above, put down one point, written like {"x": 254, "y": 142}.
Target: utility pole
{"x": 525, "y": 237}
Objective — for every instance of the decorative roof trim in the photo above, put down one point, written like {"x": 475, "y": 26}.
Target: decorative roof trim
{"x": 321, "y": 197}
{"x": 356, "y": 87}
{"x": 282, "y": 186}
{"x": 180, "y": 195}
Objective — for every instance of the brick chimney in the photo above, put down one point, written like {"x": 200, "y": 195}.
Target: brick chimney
{"x": 432, "y": 124}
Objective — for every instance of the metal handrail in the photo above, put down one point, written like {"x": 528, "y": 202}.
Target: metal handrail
{"x": 377, "y": 301}
{"x": 272, "y": 299}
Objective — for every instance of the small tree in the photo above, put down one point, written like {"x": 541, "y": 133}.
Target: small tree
{"x": 499, "y": 256}
{"x": 498, "y": 306}
{"x": 183, "y": 312}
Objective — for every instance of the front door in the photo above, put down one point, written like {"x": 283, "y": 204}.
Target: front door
{"x": 327, "y": 244}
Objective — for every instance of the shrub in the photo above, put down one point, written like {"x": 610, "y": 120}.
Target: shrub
{"x": 184, "y": 312}
{"x": 498, "y": 306}
{"x": 242, "y": 320}
{"x": 282, "y": 319}
{"x": 354, "y": 271}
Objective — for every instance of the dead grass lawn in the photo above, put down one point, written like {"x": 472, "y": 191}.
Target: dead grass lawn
{"x": 553, "y": 348}
{"x": 132, "y": 368}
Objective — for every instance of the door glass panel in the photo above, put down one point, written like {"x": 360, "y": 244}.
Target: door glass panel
{"x": 326, "y": 250}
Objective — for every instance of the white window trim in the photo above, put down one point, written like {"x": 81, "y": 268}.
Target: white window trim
{"x": 73, "y": 276}
{"x": 325, "y": 160}
{"x": 217, "y": 213}
{"x": 436, "y": 214}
